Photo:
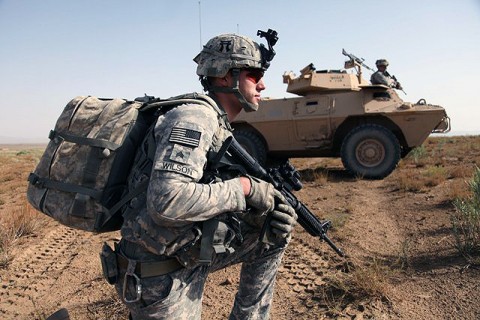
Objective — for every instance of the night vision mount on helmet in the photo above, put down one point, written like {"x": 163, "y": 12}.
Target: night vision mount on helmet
{"x": 268, "y": 54}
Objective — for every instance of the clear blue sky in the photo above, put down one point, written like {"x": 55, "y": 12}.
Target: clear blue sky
{"x": 54, "y": 50}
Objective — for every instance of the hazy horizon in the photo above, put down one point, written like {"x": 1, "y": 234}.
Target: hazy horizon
{"x": 43, "y": 141}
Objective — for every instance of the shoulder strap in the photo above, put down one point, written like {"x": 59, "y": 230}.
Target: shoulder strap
{"x": 193, "y": 98}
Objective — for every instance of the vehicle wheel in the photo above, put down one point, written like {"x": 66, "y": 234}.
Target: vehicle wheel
{"x": 253, "y": 144}
{"x": 370, "y": 151}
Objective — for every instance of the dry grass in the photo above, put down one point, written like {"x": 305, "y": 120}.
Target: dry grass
{"x": 358, "y": 282}
{"x": 446, "y": 163}
{"x": 434, "y": 175}
{"x": 438, "y": 160}
{"x": 460, "y": 171}
{"x": 318, "y": 175}
{"x": 421, "y": 179}
{"x": 17, "y": 223}
{"x": 403, "y": 256}
{"x": 110, "y": 308}
{"x": 408, "y": 181}
{"x": 457, "y": 189}
{"x": 17, "y": 218}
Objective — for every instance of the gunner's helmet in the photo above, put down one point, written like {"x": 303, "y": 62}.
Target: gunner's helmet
{"x": 382, "y": 62}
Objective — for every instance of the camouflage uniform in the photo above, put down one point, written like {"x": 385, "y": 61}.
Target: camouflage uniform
{"x": 384, "y": 77}
{"x": 168, "y": 223}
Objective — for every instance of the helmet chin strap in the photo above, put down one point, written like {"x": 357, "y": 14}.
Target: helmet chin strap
{"x": 247, "y": 106}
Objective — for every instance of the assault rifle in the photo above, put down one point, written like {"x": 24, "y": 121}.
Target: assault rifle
{"x": 356, "y": 59}
{"x": 398, "y": 85}
{"x": 285, "y": 179}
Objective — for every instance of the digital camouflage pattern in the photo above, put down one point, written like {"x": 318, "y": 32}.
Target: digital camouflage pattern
{"x": 225, "y": 52}
{"x": 167, "y": 222}
{"x": 178, "y": 295}
{"x": 383, "y": 78}
{"x": 100, "y": 120}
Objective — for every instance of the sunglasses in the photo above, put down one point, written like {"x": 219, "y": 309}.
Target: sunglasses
{"x": 254, "y": 75}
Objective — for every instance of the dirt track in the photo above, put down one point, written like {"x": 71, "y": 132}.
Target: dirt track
{"x": 400, "y": 243}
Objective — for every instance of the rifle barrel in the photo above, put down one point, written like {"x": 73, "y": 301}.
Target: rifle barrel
{"x": 311, "y": 223}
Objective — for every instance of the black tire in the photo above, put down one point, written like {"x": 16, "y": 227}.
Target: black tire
{"x": 370, "y": 151}
{"x": 253, "y": 144}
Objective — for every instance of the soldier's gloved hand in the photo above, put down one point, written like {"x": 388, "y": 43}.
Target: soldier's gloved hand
{"x": 283, "y": 220}
{"x": 261, "y": 196}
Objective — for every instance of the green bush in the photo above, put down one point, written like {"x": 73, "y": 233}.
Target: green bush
{"x": 466, "y": 220}
{"x": 418, "y": 154}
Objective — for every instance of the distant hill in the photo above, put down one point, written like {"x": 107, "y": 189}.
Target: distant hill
{"x": 457, "y": 133}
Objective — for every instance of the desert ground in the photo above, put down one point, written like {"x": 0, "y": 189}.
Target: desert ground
{"x": 402, "y": 258}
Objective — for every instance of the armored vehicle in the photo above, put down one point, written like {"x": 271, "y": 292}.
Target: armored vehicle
{"x": 339, "y": 114}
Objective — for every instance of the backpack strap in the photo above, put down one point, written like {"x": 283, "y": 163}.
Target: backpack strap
{"x": 139, "y": 189}
{"x": 189, "y": 98}
{"x": 100, "y": 143}
{"x": 35, "y": 180}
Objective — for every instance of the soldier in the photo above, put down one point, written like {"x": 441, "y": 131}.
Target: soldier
{"x": 381, "y": 76}
{"x": 194, "y": 220}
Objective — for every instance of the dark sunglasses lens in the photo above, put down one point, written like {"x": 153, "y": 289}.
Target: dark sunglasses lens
{"x": 255, "y": 76}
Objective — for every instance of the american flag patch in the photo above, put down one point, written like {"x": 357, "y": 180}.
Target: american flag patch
{"x": 186, "y": 137}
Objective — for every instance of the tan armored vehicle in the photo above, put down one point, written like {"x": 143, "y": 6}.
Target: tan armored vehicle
{"x": 339, "y": 114}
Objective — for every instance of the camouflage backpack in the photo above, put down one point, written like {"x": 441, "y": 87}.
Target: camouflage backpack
{"x": 81, "y": 179}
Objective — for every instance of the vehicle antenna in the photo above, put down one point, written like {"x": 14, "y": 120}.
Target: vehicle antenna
{"x": 200, "y": 22}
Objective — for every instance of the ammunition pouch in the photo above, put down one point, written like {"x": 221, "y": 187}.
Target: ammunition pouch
{"x": 217, "y": 237}
{"x": 109, "y": 264}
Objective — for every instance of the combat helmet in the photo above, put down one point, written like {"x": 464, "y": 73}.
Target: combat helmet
{"x": 382, "y": 62}
{"x": 234, "y": 52}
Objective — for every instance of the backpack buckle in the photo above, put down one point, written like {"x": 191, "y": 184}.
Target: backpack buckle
{"x": 35, "y": 180}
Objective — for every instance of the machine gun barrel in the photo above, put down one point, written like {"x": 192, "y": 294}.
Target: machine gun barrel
{"x": 306, "y": 218}
{"x": 358, "y": 60}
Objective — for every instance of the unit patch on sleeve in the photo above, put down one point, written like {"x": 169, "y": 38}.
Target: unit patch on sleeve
{"x": 186, "y": 137}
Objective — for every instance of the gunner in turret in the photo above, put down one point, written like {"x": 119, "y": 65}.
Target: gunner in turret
{"x": 381, "y": 76}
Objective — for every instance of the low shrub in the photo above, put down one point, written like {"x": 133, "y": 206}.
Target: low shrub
{"x": 466, "y": 220}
